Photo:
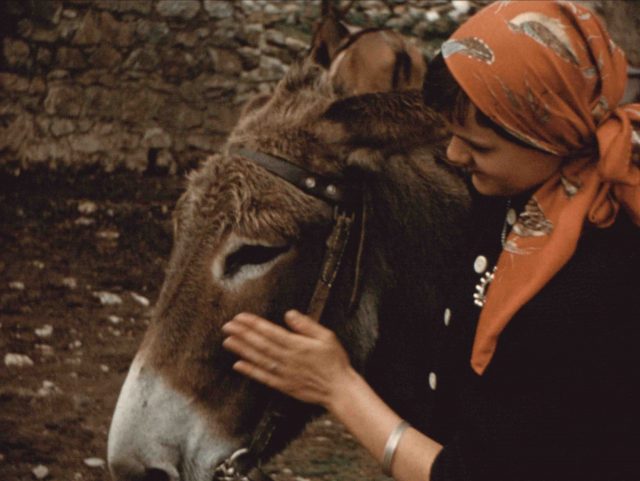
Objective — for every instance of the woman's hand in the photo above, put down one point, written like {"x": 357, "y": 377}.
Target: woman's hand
{"x": 308, "y": 364}
{"x": 311, "y": 365}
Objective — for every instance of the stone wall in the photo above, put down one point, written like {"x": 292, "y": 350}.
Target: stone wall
{"x": 156, "y": 84}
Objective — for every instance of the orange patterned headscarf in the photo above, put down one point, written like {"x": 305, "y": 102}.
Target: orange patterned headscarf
{"x": 549, "y": 74}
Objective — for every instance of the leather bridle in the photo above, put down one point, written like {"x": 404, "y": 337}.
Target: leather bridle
{"x": 348, "y": 202}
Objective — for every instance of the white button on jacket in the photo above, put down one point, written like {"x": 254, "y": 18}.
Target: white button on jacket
{"x": 480, "y": 264}
{"x": 433, "y": 380}
{"x": 447, "y": 316}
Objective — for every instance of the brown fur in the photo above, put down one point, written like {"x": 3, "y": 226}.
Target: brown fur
{"x": 389, "y": 142}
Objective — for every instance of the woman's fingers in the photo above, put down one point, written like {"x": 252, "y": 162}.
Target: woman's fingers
{"x": 307, "y": 363}
{"x": 258, "y": 374}
{"x": 305, "y": 325}
{"x": 261, "y": 326}
{"x": 259, "y": 343}
{"x": 248, "y": 351}
{"x": 252, "y": 338}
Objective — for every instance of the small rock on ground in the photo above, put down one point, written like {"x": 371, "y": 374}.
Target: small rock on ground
{"x": 70, "y": 282}
{"x": 48, "y": 388}
{"x": 17, "y": 360}
{"x": 94, "y": 462}
{"x": 87, "y": 207}
{"x": 108, "y": 298}
{"x": 44, "y": 331}
{"x": 16, "y": 285}
{"x": 143, "y": 301}
{"x": 40, "y": 471}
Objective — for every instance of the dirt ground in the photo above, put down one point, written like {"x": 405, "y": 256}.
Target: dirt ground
{"x": 81, "y": 263}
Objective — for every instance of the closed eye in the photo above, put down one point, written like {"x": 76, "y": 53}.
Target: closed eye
{"x": 472, "y": 144}
{"x": 480, "y": 149}
{"x": 251, "y": 255}
{"x": 477, "y": 147}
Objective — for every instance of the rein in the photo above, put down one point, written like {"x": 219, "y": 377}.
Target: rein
{"x": 347, "y": 201}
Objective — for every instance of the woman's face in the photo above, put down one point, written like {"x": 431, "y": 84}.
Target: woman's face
{"x": 497, "y": 166}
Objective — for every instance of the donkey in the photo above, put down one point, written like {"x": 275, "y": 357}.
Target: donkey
{"x": 247, "y": 240}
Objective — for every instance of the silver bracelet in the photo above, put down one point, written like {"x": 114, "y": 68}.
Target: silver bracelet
{"x": 392, "y": 445}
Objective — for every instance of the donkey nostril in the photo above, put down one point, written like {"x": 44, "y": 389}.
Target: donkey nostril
{"x": 154, "y": 474}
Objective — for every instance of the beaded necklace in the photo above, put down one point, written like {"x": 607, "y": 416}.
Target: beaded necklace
{"x": 480, "y": 294}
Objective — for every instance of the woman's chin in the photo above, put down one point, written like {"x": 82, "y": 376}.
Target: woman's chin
{"x": 483, "y": 185}
{"x": 486, "y": 186}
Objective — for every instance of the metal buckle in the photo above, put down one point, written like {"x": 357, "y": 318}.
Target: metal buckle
{"x": 227, "y": 470}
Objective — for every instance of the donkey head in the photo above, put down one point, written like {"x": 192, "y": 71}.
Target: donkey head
{"x": 246, "y": 240}
{"x": 366, "y": 60}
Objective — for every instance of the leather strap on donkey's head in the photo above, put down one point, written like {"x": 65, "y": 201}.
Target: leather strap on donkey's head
{"x": 348, "y": 203}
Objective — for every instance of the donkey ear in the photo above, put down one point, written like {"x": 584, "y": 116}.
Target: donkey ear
{"x": 329, "y": 34}
{"x": 383, "y": 121}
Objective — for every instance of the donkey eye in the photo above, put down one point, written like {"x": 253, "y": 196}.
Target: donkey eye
{"x": 251, "y": 255}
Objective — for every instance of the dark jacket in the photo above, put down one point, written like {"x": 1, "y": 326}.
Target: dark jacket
{"x": 561, "y": 397}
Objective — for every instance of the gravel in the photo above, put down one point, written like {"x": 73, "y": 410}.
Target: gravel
{"x": 40, "y": 471}
{"x": 44, "y": 331}
{"x": 95, "y": 462}
{"x": 17, "y": 360}
{"x": 143, "y": 301}
{"x": 108, "y": 298}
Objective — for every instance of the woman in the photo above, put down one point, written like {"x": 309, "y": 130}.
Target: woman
{"x": 538, "y": 368}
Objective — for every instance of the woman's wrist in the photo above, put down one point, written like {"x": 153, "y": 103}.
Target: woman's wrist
{"x": 343, "y": 391}
{"x": 409, "y": 454}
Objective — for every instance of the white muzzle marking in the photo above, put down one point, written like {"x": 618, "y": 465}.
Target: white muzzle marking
{"x": 156, "y": 427}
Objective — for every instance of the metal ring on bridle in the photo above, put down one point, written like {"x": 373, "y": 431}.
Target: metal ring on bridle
{"x": 226, "y": 471}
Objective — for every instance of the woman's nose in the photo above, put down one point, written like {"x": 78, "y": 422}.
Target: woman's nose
{"x": 457, "y": 153}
